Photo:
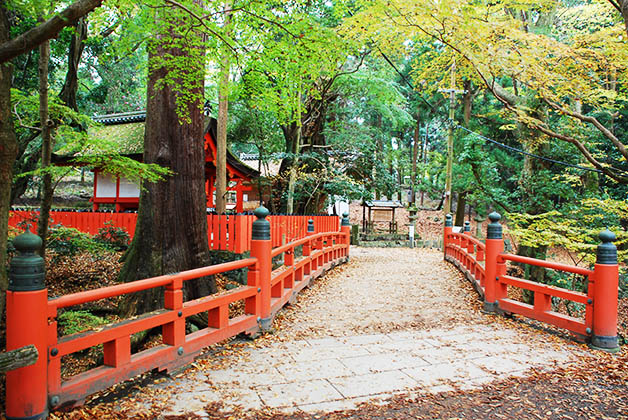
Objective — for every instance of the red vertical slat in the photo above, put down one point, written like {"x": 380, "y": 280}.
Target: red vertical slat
{"x": 210, "y": 228}
{"x": 215, "y": 232}
{"x": 232, "y": 233}
{"x": 223, "y": 232}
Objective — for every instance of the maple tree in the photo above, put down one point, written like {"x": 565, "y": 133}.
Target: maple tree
{"x": 572, "y": 83}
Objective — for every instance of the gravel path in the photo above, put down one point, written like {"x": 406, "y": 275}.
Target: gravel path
{"x": 391, "y": 321}
{"x": 384, "y": 290}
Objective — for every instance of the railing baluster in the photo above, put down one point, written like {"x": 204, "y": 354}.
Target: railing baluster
{"x": 174, "y": 332}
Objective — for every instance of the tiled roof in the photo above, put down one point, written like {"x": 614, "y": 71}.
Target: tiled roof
{"x": 123, "y": 118}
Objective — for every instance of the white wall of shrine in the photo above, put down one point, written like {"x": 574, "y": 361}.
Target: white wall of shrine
{"x": 106, "y": 186}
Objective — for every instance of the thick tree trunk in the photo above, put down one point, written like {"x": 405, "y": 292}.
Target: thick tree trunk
{"x": 46, "y": 145}
{"x": 8, "y": 151}
{"x": 171, "y": 233}
{"x": 70, "y": 86}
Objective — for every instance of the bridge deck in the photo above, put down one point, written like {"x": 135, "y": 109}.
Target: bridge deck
{"x": 390, "y": 321}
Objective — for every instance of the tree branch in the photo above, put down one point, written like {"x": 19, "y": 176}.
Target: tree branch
{"x": 202, "y": 22}
{"x": 594, "y": 121}
{"x": 615, "y": 5}
{"x": 48, "y": 29}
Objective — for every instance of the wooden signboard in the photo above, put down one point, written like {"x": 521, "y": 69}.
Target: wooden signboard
{"x": 382, "y": 215}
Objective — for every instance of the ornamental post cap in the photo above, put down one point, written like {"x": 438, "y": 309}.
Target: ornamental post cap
{"x": 27, "y": 271}
{"x": 606, "y": 251}
{"x": 494, "y": 217}
{"x": 261, "y": 212}
{"x": 467, "y": 226}
{"x": 27, "y": 242}
{"x": 345, "y": 214}
{"x": 310, "y": 221}
{"x": 606, "y": 236}
{"x": 449, "y": 217}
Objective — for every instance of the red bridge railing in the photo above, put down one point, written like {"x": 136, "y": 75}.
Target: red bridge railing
{"x": 32, "y": 317}
{"x": 485, "y": 266}
{"x": 225, "y": 232}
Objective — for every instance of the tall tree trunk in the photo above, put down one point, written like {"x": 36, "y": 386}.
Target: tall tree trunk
{"x": 75, "y": 51}
{"x": 8, "y": 151}
{"x": 415, "y": 155}
{"x": 292, "y": 178}
{"x": 379, "y": 151}
{"x": 623, "y": 9}
{"x": 24, "y": 162}
{"x": 424, "y": 154}
{"x": 467, "y": 101}
{"x": 223, "y": 113}
{"x": 461, "y": 204}
{"x": 171, "y": 233}
{"x": 46, "y": 145}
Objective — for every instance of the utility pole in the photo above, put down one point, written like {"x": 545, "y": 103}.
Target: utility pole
{"x": 450, "y": 137}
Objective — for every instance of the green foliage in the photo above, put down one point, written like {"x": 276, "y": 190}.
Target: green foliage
{"x": 66, "y": 241}
{"x": 574, "y": 229}
{"x": 72, "y": 322}
{"x": 115, "y": 238}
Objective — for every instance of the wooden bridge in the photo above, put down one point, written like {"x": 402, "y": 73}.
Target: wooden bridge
{"x": 31, "y": 316}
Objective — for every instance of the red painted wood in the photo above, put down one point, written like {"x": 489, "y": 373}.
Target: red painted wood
{"x": 545, "y": 289}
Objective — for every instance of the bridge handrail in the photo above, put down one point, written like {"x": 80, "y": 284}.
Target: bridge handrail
{"x": 291, "y": 245}
{"x": 475, "y": 241}
{"x": 31, "y": 318}
{"x": 599, "y": 325}
{"x": 544, "y": 263}
{"x": 79, "y": 298}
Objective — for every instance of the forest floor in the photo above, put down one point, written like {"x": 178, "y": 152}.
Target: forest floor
{"x": 394, "y": 333}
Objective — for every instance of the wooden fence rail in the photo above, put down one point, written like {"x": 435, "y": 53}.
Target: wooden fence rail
{"x": 224, "y": 233}
{"x": 485, "y": 267}
{"x": 32, "y": 318}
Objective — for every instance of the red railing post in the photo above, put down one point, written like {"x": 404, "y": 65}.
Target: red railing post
{"x": 261, "y": 248}
{"x": 313, "y": 246}
{"x": 27, "y": 323}
{"x": 494, "y": 247}
{"x": 605, "y": 295}
{"x": 345, "y": 228}
{"x": 449, "y": 224}
{"x": 470, "y": 246}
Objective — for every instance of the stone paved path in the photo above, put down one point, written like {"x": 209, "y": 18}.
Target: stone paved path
{"x": 390, "y": 321}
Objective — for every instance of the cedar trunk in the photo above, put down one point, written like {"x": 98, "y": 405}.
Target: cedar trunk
{"x": 8, "y": 151}
{"x": 171, "y": 233}
{"x": 46, "y": 146}
{"x": 75, "y": 51}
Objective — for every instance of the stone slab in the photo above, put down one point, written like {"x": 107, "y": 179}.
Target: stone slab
{"x": 373, "y": 383}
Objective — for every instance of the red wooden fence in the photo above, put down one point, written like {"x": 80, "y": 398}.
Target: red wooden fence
{"x": 225, "y": 232}
{"x": 485, "y": 266}
{"x": 32, "y": 318}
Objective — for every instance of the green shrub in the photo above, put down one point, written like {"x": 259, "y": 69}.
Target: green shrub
{"x": 72, "y": 322}
{"x": 66, "y": 241}
{"x": 113, "y": 237}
